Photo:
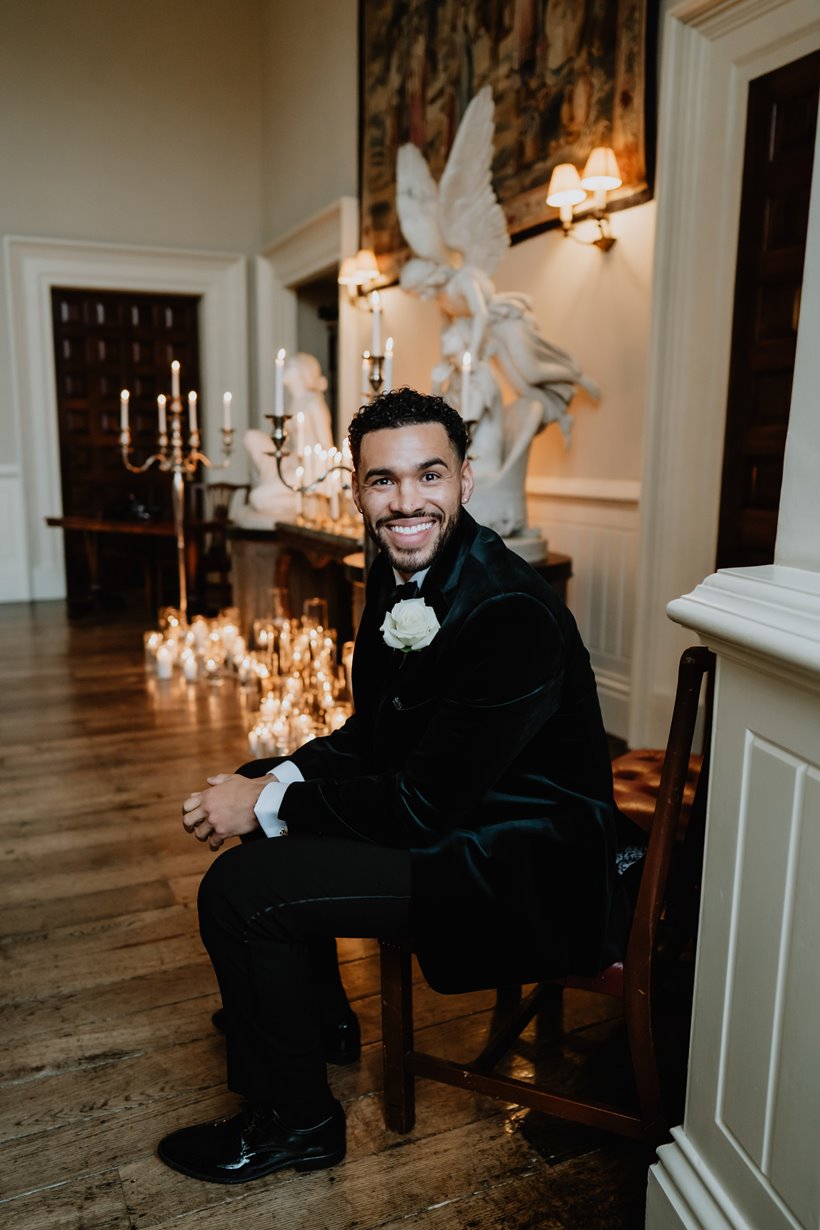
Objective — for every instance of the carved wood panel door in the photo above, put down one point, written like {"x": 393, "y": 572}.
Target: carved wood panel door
{"x": 780, "y": 133}
{"x": 105, "y": 341}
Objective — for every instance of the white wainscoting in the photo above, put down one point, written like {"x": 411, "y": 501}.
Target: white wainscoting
{"x": 14, "y": 585}
{"x": 596, "y": 522}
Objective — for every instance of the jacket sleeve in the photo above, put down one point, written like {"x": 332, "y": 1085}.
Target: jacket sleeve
{"x": 501, "y": 681}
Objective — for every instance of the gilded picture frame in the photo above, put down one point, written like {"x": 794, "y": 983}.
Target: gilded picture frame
{"x": 566, "y": 75}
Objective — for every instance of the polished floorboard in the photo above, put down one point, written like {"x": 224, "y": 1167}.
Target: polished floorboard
{"x": 107, "y": 993}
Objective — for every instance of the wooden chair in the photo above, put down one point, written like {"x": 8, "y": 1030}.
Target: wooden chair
{"x": 676, "y": 798}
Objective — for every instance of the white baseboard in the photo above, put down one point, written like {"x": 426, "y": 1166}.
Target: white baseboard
{"x": 682, "y": 1194}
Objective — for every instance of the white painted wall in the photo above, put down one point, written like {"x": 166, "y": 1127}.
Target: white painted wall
{"x": 309, "y": 109}
{"x": 129, "y": 123}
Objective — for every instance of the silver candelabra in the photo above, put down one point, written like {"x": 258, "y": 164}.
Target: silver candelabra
{"x": 172, "y": 458}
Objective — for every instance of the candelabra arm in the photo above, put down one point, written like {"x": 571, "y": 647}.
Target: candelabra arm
{"x": 303, "y": 488}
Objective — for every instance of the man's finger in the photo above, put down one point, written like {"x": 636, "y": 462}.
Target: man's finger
{"x": 218, "y": 779}
{"x": 192, "y": 801}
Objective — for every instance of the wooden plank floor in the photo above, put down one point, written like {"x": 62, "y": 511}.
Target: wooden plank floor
{"x": 107, "y": 993}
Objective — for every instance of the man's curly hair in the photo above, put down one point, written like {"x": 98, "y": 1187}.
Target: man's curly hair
{"x": 402, "y": 408}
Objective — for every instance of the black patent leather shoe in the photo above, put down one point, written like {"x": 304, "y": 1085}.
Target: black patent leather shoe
{"x": 341, "y": 1041}
{"x": 252, "y": 1144}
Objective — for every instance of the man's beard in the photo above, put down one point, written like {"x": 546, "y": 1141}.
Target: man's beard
{"x": 423, "y": 557}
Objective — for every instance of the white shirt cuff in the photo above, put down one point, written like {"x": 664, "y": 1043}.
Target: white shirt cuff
{"x": 270, "y": 800}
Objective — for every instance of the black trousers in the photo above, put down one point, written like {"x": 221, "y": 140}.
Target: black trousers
{"x": 269, "y": 910}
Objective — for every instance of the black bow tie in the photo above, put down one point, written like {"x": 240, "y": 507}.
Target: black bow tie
{"x": 400, "y": 593}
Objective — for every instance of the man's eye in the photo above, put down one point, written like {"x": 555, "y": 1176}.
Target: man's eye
{"x": 431, "y": 476}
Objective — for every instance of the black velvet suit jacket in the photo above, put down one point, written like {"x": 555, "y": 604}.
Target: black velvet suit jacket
{"x": 484, "y": 755}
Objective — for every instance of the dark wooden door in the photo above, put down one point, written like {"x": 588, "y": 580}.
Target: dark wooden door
{"x": 105, "y": 341}
{"x": 780, "y": 133}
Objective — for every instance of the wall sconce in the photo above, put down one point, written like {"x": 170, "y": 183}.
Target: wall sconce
{"x": 567, "y": 189}
{"x": 359, "y": 274}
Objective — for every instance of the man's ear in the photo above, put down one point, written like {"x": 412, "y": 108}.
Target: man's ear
{"x": 354, "y": 487}
{"x": 467, "y": 481}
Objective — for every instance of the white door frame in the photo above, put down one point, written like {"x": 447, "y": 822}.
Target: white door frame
{"x": 712, "y": 49}
{"x": 315, "y": 247}
{"x": 34, "y": 267}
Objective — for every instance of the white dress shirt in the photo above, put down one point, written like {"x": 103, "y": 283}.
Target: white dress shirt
{"x": 270, "y": 800}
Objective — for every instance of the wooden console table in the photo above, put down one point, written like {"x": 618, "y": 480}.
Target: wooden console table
{"x": 93, "y": 528}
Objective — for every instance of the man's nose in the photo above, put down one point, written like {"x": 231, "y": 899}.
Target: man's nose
{"x": 407, "y": 498}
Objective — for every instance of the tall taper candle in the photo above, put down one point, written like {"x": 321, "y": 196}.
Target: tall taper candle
{"x": 175, "y": 378}
{"x": 226, "y": 411}
{"x": 279, "y": 388}
{"x": 387, "y": 382}
{"x": 376, "y": 341}
{"x": 466, "y": 363}
{"x": 163, "y": 426}
{"x": 124, "y": 399}
{"x": 192, "y": 424}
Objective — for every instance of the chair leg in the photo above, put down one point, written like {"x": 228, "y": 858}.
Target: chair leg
{"x": 641, "y": 1033}
{"x": 397, "y": 1037}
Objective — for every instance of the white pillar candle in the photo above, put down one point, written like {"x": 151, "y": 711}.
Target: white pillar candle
{"x": 175, "y": 378}
{"x": 466, "y": 364}
{"x": 226, "y": 411}
{"x": 163, "y": 426}
{"x": 165, "y": 662}
{"x": 388, "y": 365}
{"x": 334, "y": 484}
{"x": 376, "y": 341}
{"x": 279, "y": 386}
{"x": 190, "y": 666}
{"x": 300, "y": 478}
{"x": 124, "y": 399}
{"x": 192, "y": 424}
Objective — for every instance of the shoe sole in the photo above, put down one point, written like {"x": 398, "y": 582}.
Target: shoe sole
{"x": 303, "y": 1164}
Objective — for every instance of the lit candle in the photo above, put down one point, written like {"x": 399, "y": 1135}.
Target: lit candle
{"x": 192, "y": 426}
{"x": 175, "y": 378}
{"x": 279, "y": 387}
{"x": 165, "y": 662}
{"x": 300, "y": 475}
{"x": 334, "y": 482}
{"x": 163, "y": 426}
{"x": 466, "y": 364}
{"x": 366, "y": 390}
{"x": 376, "y": 341}
{"x": 190, "y": 666}
{"x": 226, "y": 411}
{"x": 388, "y": 365}
{"x": 300, "y": 433}
{"x": 124, "y": 399}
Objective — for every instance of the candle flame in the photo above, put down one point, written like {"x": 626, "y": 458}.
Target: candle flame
{"x": 175, "y": 365}
{"x": 280, "y": 357}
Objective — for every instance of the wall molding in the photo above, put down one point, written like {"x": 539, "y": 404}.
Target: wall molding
{"x": 593, "y": 490}
{"x": 35, "y": 266}
{"x": 307, "y": 251}
{"x": 600, "y": 533}
{"x": 711, "y": 51}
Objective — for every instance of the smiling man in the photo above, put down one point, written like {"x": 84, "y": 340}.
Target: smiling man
{"x": 467, "y": 803}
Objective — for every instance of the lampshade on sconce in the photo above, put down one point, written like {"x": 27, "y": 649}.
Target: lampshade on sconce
{"x": 565, "y": 191}
{"x": 601, "y": 174}
{"x": 568, "y": 189}
{"x": 358, "y": 273}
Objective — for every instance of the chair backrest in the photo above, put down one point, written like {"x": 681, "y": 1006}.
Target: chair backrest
{"x": 695, "y": 663}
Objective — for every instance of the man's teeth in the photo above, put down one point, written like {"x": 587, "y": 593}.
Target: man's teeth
{"x": 411, "y": 529}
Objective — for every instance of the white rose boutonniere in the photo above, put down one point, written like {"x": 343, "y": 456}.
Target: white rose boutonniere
{"x": 410, "y": 625}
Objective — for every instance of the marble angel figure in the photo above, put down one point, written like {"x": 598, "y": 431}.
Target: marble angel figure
{"x": 458, "y": 233}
